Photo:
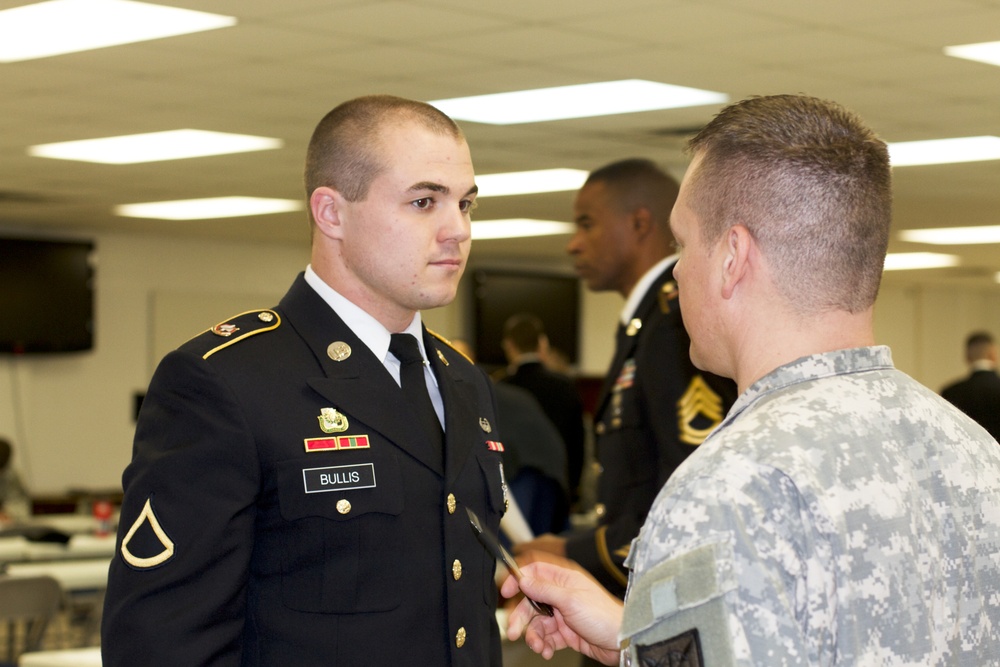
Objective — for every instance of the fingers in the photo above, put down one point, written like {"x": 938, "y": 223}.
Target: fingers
{"x": 509, "y": 587}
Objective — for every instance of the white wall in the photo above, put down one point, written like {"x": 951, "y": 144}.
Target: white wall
{"x": 926, "y": 327}
{"x": 70, "y": 416}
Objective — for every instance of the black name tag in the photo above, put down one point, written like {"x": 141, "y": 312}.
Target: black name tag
{"x": 339, "y": 478}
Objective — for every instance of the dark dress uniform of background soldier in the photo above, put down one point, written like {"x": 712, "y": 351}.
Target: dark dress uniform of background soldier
{"x": 283, "y": 505}
{"x": 654, "y": 407}
{"x": 526, "y": 347}
{"x": 978, "y": 395}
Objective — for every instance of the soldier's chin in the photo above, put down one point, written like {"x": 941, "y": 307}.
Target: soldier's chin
{"x": 698, "y": 359}
{"x": 594, "y": 283}
{"x": 706, "y": 366}
{"x": 437, "y": 298}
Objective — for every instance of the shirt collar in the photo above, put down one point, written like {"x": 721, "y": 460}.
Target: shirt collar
{"x": 814, "y": 367}
{"x": 369, "y": 330}
{"x": 641, "y": 287}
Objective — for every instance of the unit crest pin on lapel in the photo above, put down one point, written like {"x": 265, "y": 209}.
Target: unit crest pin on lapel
{"x": 331, "y": 421}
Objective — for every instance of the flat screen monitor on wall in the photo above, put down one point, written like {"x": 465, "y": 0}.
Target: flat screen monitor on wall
{"x": 46, "y": 296}
{"x": 498, "y": 294}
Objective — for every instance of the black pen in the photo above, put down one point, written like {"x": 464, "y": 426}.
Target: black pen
{"x": 496, "y": 549}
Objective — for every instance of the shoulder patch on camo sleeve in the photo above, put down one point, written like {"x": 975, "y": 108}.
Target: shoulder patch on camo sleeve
{"x": 684, "y": 650}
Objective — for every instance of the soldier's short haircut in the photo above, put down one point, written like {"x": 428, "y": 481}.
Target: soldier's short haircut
{"x": 525, "y": 331}
{"x": 638, "y": 183}
{"x": 812, "y": 183}
{"x": 345, "y": 152}
{"x": 977, "y": 345}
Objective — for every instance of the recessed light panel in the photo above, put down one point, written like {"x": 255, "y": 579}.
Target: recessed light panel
{"x": 984, "y": 52}
{"x": 902, "y": 261}
{"x": 944, "y": 151}
{"x": 205, "y": 209}
{"x": 580, "y": 101}
{"x": 518, "y": 228}
{"x": 154, "y": 147}
{"x": 66, "y": 26}
{"x": 530, "y": 182}
{"x": 953, "y": 235}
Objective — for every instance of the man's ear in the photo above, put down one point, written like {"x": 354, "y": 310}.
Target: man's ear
{"x": 543, "y": 345}
{"x": 327, "y": 206}
{"x": 642, "y": 222}
{"x": 509, "y": 351}
{"x": 737, "y": 244}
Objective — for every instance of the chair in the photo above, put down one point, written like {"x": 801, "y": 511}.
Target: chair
{"x": 31, "y": 602}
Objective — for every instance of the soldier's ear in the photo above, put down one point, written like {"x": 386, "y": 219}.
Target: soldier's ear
{"x": 327, "y": 206}
{"x": 642, "y": 221}
{"x": 737, "y": 247}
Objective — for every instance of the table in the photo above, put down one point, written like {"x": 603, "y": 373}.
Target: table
{"x": 77, "y": 657}
{"x": 18, "y": 549}
{"x": 91, "y": 657}
{"x": 75, "y": 576}
{"x": 83, "y": 582}
{"x": 71, "y": 524}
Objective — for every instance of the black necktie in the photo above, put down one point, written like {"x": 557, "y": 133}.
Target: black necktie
{"x": 411, "y": 375}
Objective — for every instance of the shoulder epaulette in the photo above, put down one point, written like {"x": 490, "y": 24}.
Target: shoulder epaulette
{"x": 668, "y": 292}
{"x": 243, "y": 326}
{"x": 451, "y": 345}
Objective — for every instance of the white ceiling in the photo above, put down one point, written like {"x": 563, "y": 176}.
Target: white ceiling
{"x": 287, "y": 62}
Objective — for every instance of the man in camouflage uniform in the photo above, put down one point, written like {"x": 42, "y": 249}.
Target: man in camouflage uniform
{"x": 842, "y": 514}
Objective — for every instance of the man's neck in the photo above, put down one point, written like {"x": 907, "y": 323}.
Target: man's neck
{"x": 527, "y": 358}
{"x": 797, "y": 337}
{"x": 634, "y": 293}
{"x": 983, "y": 365}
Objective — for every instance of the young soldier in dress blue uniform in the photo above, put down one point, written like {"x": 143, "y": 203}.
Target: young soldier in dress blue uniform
{"x": 286, "y": 504}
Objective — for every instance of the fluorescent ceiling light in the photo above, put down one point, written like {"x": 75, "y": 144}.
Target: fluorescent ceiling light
{"x": 204, "y": 209}
{"x": 944, "y": 151}
{"x": 953, "y": 235}
{"x": 984, "y": 52}
{"x": 519, "y": 227}
{"x": 902, "y": 261}
{"x": 529, "y": 182}
{"x": 580, "y": 101}
{"x": 154, "y": 147}
{"x": 67, "y": 26}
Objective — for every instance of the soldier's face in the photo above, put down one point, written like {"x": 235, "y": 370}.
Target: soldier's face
{"x": 406, "y": 244}
{"x": 697, "y": 284}
{"x": 600, "y": 247}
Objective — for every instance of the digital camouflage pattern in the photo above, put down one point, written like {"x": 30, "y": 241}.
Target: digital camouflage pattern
{"x": 842, "y": 514}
